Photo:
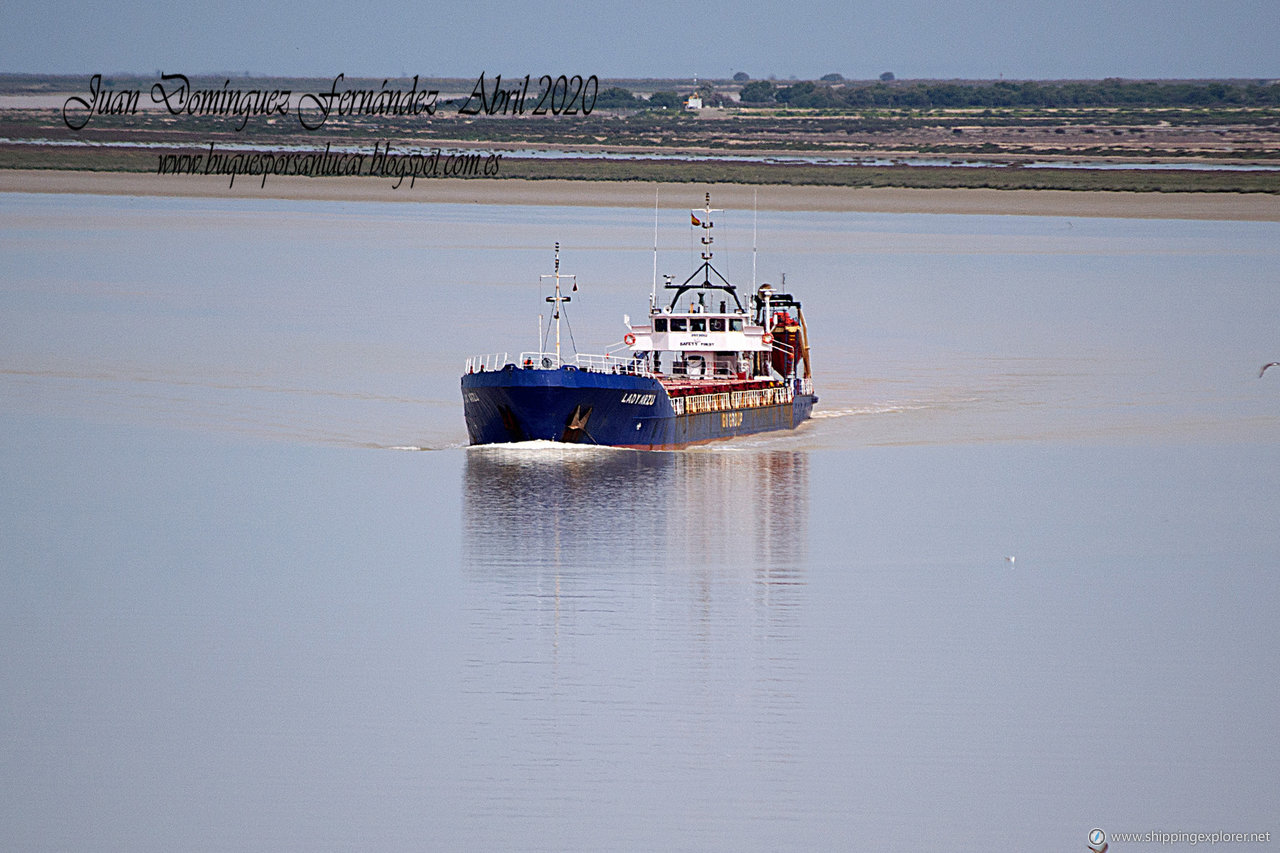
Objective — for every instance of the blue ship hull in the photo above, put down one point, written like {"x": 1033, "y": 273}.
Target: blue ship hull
{"x": 613, "y": 409}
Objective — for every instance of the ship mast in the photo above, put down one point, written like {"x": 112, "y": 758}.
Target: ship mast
{"x": 707, "y": 224}
{"x": 706, "y": 270}
{"x": 558, "y": 298}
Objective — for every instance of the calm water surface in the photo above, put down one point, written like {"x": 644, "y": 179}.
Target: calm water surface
{"x": 236, "y": 614}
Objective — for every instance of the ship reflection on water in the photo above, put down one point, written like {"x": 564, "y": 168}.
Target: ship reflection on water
{"x": 685, "y": 546}
{"x": 571, "y": 508}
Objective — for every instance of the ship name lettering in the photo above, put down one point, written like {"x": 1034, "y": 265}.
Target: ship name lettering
{"x": 640, "y": 399}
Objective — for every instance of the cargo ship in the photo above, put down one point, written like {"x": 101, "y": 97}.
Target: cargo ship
{"x": 703, "y": 368}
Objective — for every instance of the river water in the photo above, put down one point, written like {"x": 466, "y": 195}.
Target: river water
{"x": 255, "y": 593}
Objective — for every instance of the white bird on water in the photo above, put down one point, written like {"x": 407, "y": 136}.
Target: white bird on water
{"x": 1265, "y": 366}
{"x": 1011, "y": 560}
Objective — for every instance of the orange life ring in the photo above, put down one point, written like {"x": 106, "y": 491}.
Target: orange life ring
{"x": 766, "y": 339}
{"x": 628, "y": 339}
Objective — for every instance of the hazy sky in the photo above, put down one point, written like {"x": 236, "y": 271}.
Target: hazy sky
{"x": 624, "y": 38}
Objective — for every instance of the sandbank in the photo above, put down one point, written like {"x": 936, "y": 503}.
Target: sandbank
{"x": 1263, "y": 207}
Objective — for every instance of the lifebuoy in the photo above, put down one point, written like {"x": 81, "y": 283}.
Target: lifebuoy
{"x": 628, "y": 339}
{"x": 766, "y": 339}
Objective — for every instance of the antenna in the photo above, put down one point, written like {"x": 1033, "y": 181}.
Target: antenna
{"x": 755, "y": 217}
{"x": 653, "y": 296}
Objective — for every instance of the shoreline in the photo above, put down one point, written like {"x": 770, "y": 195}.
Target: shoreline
{"x": 1255, "y": 207}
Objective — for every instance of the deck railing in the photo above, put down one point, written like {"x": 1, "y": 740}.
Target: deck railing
{"x": 609, "y": 363}
{"x": 606, "y": 363}
{"x": 489, "y": 361}
{"x": 729, "y": 400}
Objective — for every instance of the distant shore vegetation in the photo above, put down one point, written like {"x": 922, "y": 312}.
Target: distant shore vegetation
{"x": 1007, "y": 93}
{"x": 833, "y": 94}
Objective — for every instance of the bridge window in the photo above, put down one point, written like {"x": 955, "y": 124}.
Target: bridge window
{"x": 660, "y": 324}
{"x": 717, "y": 324}
{"x": 735, "y": 324}
{"x": 679, "y": 324}
{"x": 698, "y": 325}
